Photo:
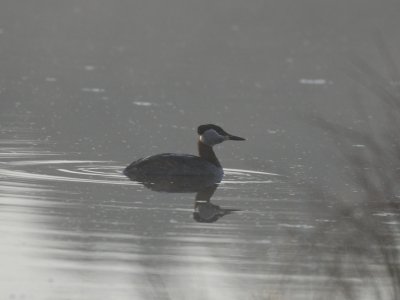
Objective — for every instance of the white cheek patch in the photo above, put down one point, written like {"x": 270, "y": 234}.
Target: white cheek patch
{"x": 211, "y": 137}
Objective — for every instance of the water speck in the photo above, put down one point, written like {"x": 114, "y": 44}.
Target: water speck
{"x": 142, "y": 103}
{"x": 318, "y": 81}
{"x": 179, "y": 127}
{"x": 89, "y": 68}
{"x": 385, "y": 214}
{"x": 51, "y": 79}
{"x": 325, "y": 220}
{"x": 300, "y": 226}
{"x": 93, "y": 90}
{"x": 235, "y": 27}
{"x": 258, "y": 85}
{"x": 289, "y": 60}
{"x": 358, "y": 146}
{"x": 1, "y": 30}
{"x": 391, "y": 223}
{"x": 263, "y": 242}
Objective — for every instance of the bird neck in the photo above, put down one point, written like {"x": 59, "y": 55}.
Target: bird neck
{"x": 206, "y": 152}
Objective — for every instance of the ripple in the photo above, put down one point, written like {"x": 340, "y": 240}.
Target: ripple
{"x": 84, "y": 171}
{"x": 104, "y": 172}
{"x": 239, "y": 176}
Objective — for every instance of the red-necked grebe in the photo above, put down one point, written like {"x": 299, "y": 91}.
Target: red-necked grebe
{"x": 171, "y": 164}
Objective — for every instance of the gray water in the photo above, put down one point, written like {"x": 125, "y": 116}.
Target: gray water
{"x": 308, "y": 207}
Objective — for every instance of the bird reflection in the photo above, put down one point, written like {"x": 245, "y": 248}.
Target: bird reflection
{"x": 203, "y": 186}
{"x": 204, "y": 210}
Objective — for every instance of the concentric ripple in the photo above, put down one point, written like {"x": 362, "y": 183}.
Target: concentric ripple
{"x": 103, "y": 172}
{"x": 240, "y": 176}
{"x": 84, "y": 171}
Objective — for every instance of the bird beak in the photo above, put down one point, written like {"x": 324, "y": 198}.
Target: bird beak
{"x": 234, "y": 138}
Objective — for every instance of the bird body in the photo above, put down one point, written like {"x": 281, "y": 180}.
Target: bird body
{"x": 173, "y": 164}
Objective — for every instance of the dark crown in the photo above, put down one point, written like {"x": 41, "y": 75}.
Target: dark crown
{"x": 203, "y": 128}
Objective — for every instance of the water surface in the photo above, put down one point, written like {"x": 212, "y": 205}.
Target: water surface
{"x": 308, "y": 207}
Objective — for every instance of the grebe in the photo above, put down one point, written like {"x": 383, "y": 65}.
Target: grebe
{"x": 171, "y": 164}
